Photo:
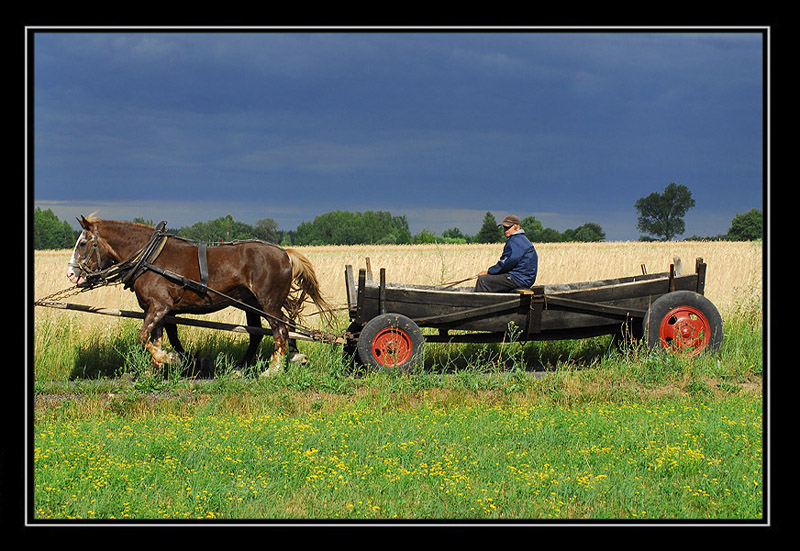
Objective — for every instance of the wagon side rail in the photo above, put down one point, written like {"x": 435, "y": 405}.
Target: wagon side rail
{"x": 568, "y": 307}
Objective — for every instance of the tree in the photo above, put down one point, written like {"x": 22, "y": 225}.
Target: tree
{"x": 425, "y": 236}
{"x": 587, "y": 233}
{"x": 532, "y": 227}
{"x": 353, "y": 228}
{"x": 549, "y": 235}
{"x": 453, "y": 233}
{"x": 266, "y": 229}
{"x": 661, "y": 214}
{"x": 49, "y": 232}
{"x": 219, "y": 229}
{"x": 490, "y": 232}
{"x": 747, "y": 227}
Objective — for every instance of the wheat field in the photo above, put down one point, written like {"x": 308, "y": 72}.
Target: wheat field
{"x": 734, "y": 274}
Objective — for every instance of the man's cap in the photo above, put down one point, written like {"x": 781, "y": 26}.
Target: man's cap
{"x": 509, "y": 220}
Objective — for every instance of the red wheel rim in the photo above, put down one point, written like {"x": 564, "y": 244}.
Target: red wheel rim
{"x": 392, "y": 347}
{"x": 684, "y": 330}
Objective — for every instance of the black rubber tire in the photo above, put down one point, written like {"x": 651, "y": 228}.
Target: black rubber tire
{"x": 683, "y": 322}
{"x": 391, "y": 341}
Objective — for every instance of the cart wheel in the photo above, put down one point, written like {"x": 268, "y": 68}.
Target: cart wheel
{"x": 683, "y": 322}
{"x": 390, "y": 341}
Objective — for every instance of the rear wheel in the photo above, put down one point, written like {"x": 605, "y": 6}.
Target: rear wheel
{"x": 684, "y": 323}
{"x": 390, "y": 341}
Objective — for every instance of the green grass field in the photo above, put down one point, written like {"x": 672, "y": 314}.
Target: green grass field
{"x": 577, "y": 430}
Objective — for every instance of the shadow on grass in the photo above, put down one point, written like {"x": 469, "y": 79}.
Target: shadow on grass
{"x": 122, "y": 354}
{"x": 528, "y": 356}
{"x": 216, "y": 353}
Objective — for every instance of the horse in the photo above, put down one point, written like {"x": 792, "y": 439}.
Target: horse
{"x": 164, "y": 270}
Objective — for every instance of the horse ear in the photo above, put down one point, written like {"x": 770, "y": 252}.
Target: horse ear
{"x": 83, "y": 222}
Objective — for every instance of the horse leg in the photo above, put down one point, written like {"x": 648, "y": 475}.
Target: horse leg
{"x": 295, "y": 356}
{"x": 192, "y": 365}
{"x": 151, "y": 335}
{"x": 172, "y": 336}
{"x": 280, "y": 335}
{"x": 253, "y": 320}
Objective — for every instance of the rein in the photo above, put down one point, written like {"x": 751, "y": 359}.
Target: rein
{"x": 127, "y": 271}
{"x": 454, "y": 283}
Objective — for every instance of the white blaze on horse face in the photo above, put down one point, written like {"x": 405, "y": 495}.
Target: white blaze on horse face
{"x": 73, "y": 272}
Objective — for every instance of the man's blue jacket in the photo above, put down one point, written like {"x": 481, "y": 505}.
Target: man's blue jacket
{"x": 519, "y": 260}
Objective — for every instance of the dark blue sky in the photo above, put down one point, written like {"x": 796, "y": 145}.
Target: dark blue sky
{"x": 570, "y": 127}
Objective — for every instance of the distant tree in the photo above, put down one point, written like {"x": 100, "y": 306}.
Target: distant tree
{"x": 532, "y": 227}
{"x": 453, "y": 233}
{"x": 587, "y": 233}
{"x": 266, "y": 229}
{"x": 454, "y": 236}
{"x": 425, "y": 236}
{"x": 286, "y": 238}
{"x": 353, "y": 228}
{"x": 661, "y": 214}
{"x": 747, "y": 227}
{"x": 548, "y": 235}
{"x": 489, "y": 232}
{"x": 219, "y": 229}
{"x": 51, "y": 233}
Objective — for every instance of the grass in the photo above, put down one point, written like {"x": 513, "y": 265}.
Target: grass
{"x": 620, "y": 435}
{"x": 564, "y": 430}
{"x": 430, "y": 454}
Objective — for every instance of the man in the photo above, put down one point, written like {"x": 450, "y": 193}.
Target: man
{"x": 517, "y": 266}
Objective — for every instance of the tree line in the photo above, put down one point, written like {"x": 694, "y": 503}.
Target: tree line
{"x": 332, "y": 228}
{"x": 660, "y": 218}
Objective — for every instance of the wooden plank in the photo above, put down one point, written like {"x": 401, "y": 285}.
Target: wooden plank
{"x": 593, "y": 307}
{"x": 700, "y": 269}
{"x": 535, "y": 311}
{"x": 362, "y": 278}
{"x": 630, "y": 290}
{"x": 350, "y": 286}
{"x": 382, "y": 292}
{"x": 465, "y": 315}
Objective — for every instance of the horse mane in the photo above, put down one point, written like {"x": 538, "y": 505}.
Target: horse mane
{"x": 93, "y": 219}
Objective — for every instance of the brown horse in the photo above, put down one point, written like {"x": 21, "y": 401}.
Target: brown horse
{"x": 258, "y": 274}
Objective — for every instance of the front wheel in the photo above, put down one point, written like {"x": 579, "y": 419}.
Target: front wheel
{"x": 683, "y": 322}
{"x": 390, "y": 341}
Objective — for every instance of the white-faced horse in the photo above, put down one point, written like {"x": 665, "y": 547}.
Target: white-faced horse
{"x": 261, "y": 275}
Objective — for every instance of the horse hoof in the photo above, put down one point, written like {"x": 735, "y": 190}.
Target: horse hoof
{"x": 299, "y": 358}
{"x": 274, "y": 370}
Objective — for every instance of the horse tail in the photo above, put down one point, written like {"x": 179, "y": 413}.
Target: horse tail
{"x": 305, "y": 286}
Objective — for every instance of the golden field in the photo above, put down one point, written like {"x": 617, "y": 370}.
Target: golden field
{"x": 734, "y": 271}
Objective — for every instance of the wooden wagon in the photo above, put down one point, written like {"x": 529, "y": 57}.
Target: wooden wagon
{"x": 666, "y": 309}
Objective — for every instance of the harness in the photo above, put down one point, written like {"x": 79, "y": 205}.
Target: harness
{"x": 128, "y": 271}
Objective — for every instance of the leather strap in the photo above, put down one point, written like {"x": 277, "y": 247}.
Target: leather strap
{"x": 203, "y": 261}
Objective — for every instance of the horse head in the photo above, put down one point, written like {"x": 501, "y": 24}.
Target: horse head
{"x": 91, "y": 254}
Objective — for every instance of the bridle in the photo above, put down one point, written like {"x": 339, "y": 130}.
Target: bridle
{"x": 127, "y": 271}
{"x": 88, "y": 273}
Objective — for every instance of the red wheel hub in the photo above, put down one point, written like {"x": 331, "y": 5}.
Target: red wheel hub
{"x": 392, "y": 347}
{"x": 684, "y": 330}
